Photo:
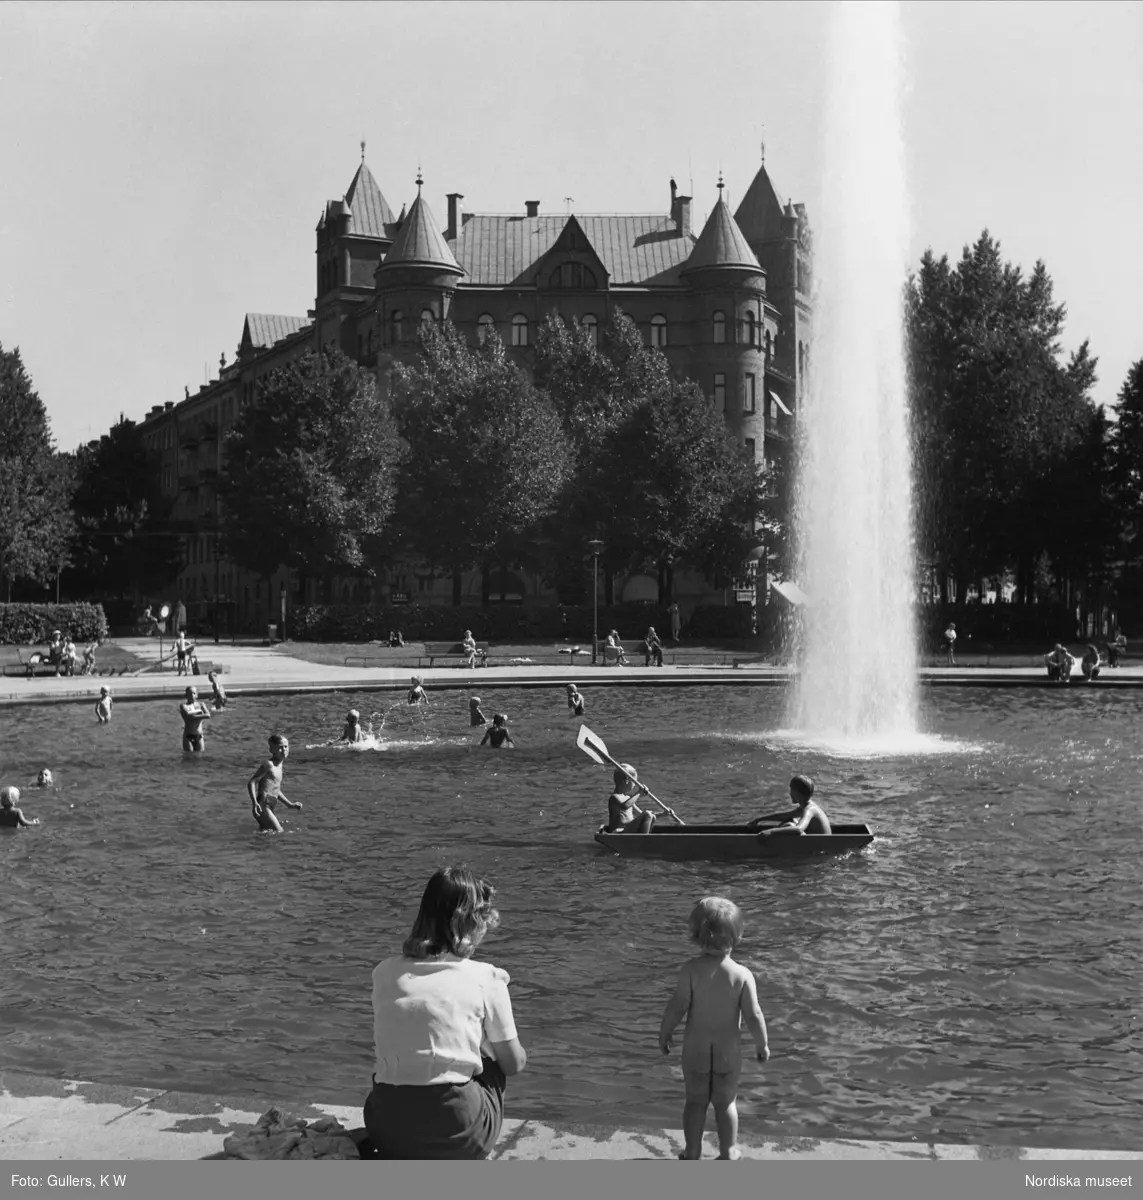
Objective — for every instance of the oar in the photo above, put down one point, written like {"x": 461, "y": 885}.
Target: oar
{"x": 592, "y": 745}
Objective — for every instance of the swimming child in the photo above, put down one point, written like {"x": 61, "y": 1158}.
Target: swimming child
{"x": 417, "y": 691}
{"x": 44, "y": 778}
{"x": 475, "y": 716}
{"x": 265, "y": 786}
{"x": 193, "y": 712}
{"x": 353, "y": 731}
{"x": 10, "y": 816}
{"x": 497, "y": 734}
{"x": 217, "y": 690}
{"x": 103, "y": 705}
{"x": 715, "y": 994}
{"x": 575, "y": 700}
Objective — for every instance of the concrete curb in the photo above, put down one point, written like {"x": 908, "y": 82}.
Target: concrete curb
{"x": 45, "y": 1119}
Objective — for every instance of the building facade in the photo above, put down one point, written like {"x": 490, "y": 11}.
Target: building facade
{"x": 729, "y": 306}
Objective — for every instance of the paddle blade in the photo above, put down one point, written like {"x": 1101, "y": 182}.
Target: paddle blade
{"x": 592, "y": 746}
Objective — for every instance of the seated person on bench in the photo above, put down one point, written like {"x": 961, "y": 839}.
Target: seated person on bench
{"x": 807, "y": 817}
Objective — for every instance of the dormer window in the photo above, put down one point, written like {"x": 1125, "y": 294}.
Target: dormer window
{"x": 659, "y": 331}
{"x": 572, "y": 275}
{"x": 719, "y": 328}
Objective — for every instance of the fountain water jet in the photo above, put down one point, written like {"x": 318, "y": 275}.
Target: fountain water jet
{"x": 857, "y": 683}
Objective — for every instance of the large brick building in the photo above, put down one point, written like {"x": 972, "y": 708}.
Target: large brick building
{"x": 728, "y": 306}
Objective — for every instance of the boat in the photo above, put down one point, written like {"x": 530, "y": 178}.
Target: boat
{"x": 681, "y": 842}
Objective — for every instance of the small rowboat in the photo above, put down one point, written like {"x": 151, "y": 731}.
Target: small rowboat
{"x": 680, "y": 842}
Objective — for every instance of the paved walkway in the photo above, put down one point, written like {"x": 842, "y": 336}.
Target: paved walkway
{"x": 43, "y": 1118}
{"x": 253, "y": 670}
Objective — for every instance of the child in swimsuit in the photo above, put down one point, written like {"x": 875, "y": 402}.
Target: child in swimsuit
{"x": 497, "y": 735}
{"x": 103, "y": 705}
{"x": 575, "y": 700}
{"x": 715, "y": 994}
{"x": 353, "y": 731}
{"x": 417, "y": 692}
{"x": 475, "y": 716}
{"x": 217, "y": 689}
{"x": 265, "y": 786}
{"x": 10, "y": 816}
{"x": 193, "y": 712}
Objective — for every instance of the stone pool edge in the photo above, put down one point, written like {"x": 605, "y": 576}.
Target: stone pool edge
{"x": 43, "y": 1118}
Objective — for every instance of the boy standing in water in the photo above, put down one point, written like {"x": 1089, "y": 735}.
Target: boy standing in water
{"x": 103, "y": 705}
{"x": 715, "y": 994}
{"x": 217, "y": 689}
{"x": 265, "y": 786}
{"x": 575, "y": 700}
{"x": 497, "y": 735}
{"x": 10, "y": 816}
{"x": 417, "y": 692}
{"x": 193, "y": 712}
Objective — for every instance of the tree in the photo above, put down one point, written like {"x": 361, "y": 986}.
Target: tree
{"x": 1125, "y": 485}
{"x": 310, "y": 469}
{"x": 487, "y": 455}
{"x": 124, "y": 542}
{"x": 35, "y": 483}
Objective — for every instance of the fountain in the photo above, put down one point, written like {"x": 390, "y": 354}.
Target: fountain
{"x": 857, "y": 683}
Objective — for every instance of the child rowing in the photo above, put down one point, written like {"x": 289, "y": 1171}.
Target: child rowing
{"x": 265, "y": 786}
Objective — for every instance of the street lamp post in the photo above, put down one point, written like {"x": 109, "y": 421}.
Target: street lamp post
{"x": 596, "y": 548}
{"x": 283, "y": 598}
{"x": 164, "y": 613}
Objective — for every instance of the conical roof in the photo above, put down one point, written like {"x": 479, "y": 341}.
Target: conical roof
{"x": 371, "y": 211}
{"x": 419, "y": 242}
{"x": 760, "y": 213}
{"x": 721, "y": 243}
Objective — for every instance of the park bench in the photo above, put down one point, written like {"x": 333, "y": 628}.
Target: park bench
{"x": 633, "y": 649}
{"x": 435, "y": 650}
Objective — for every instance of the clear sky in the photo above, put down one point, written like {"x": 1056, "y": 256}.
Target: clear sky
{"x": 163, "y": 165}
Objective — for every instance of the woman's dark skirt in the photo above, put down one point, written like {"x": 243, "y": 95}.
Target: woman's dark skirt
{"x": 440, "y": 1120}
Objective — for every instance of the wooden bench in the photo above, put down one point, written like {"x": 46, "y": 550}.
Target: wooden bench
{"x": 610, "y": 657}
{"x": 435, "y": 650}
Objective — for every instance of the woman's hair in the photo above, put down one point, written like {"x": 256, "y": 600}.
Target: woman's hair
{"x": 456, "y": 912}
{"x": 716, "y": 924}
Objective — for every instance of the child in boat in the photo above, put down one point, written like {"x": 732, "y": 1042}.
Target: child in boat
{"x": 475, "y": 716}
{"x": 217, "y": 690}
{"x": 265, "y": 786}
{"x": 716, "y": 995}
{"x": 623, "y": 814}
{"x": 575, "y": 700}
{"x": 353, "y": 731}
{"x": 10, "y": 815}
{"x": 497, "y": 734}
{"x": 807, "y": 816}
{"x": 103, "y": 705}
{"x": 417, "y": 691}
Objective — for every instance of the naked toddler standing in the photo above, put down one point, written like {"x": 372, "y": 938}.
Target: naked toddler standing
{"x": 716, "y": 995}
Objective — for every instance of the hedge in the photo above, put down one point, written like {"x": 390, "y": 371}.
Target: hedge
{"x": 1048, "y": 623}
{"x": 31, "y": 624}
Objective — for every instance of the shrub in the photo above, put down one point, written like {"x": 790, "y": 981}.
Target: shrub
{"x": 30, "y": 624}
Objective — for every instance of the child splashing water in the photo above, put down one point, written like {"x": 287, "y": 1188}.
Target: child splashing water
{"x": 715, "y": 994}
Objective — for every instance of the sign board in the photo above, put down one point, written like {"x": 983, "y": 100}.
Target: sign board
{"x": 744, "y": 597}
{"x": 399, "y": 598}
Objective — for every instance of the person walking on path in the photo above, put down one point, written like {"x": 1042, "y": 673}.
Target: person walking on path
{"x": 950, "y": 645}
{"x": 676, "y": 621}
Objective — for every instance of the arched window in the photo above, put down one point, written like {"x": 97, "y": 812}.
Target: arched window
{"x": 519, "y": 330}
{"x": 658, "y": 330}
{"x": 395, "y": 332}
{"x": 719, "y": 328}
{"x": 484, "y": 326}
{"x": 571, "y": 275}
{"x": 751, "y": 329}
{"x": 428, "y": 317}
{"x": 590, "y": 326}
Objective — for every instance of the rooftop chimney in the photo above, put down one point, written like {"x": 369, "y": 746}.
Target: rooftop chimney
{"x": 532, "y": 208}
{"x": 681, "y": 211}
{"x": 454, "y": 218}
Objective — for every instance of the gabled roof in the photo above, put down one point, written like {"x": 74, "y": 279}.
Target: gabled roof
{"x": 499, "y": 250}
{"x": 721, "y": 243}
{"x": 759, "y": 216}
{"x": 371, "y": 211}
{"x": 262, "y": 330}
{"x": 419, "y": 241}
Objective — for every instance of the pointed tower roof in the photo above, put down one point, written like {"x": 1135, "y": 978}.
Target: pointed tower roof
{"x": 721, "y": 243}
{"x": 419, "y": 242}
{"x": 370, "y": 210}
{"x": 759, "y": 215}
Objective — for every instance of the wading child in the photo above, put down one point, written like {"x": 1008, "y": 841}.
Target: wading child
{"x": 475, "y": 716}
{"x": 575, "y": 700}
{"x": 265, "y": 786}
{"x": 353, "y": 731}
{"x": 417, "y": 691}
{"x": 44, "y": 778}
{"x": 103, "y": 705}
{"x": 497, "y": 735}
{"x": 715, "y": 994}
{"x": 10, "y": 816}
{"x": 193, "y": 712}
{"x": 218, "y": 691}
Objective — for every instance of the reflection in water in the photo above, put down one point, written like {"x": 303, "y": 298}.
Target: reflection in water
{"x": 972, "y": 975}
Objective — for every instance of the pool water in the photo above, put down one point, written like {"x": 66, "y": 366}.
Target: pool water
{"x": 974, "y": 975}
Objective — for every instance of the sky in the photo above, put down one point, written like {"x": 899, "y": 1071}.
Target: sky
{"x": 163, "y": 166}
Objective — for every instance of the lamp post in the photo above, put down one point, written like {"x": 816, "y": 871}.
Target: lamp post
{"x": 283, "y": 599}
{"x": 596, "y": 548}
{"x": 164, "y": 613}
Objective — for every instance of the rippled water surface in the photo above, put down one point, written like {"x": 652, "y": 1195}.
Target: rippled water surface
{"x": 974, "y": 975}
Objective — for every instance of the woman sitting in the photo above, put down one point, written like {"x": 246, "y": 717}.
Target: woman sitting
{"x": 443, "y": 1031}
{"x": 1089, "y": 664}
{"x": 613, "y": 654}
